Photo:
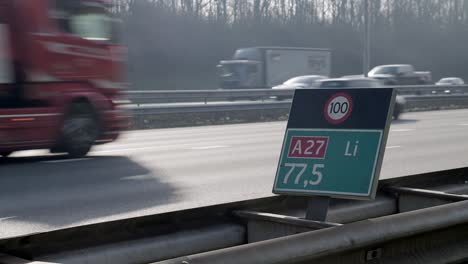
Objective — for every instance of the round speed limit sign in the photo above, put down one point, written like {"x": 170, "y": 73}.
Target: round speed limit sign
{"x": 338, "y": 108}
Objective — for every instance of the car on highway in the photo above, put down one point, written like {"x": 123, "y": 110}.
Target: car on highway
{"x": 299, "y": 82}
{"x": 400, "y": 101}
{"x": 400, "y": 74}
{"x": 448, "y": 81}
{"x": 349, "y": 83}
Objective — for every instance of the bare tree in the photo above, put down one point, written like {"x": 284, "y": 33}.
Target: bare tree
{"x": 175, "y": 44}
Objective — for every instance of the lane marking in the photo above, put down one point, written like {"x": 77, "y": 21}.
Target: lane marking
{"x": 123, "y": 149}
{"x": 7, "y": 218}
{"x": 209, "y": 147}
{"x": 402, "y": 130}
{"x": 463, "y": 124}
{"x": 65, "y": 160}
{"x": 137, "y": 177}
{"x": 393, "y": 147}
{"x": 182, "y": 147}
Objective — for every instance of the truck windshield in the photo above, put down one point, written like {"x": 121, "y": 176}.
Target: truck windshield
{"x": 247, "y": 54}
{"x": 88, "y": 21}
{"x": 92, "y": 24}
{"x": 227, "y": 69}
{"x": 237, "y": 69}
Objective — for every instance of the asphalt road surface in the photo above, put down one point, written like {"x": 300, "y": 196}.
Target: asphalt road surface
{"x": 154, "y": 171}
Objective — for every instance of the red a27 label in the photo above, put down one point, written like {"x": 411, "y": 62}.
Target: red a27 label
{"x": 308, "y": 147}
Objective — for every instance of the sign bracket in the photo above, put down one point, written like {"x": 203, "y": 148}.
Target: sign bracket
{"x": 317, "y": 208}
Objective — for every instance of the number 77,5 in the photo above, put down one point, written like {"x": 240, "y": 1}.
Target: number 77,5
{"x": 303, "y": 167}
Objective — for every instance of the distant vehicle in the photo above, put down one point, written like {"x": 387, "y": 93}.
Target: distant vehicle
{"x": 299, "y": 82}
{"x": 349, "y": 83}
{"x": 353, "y": 76}
{"x": 266, "y": 67}
{"x": 400, "y": 74}
{"x": 450, "y": 81}
{"x": 400, "y": 101}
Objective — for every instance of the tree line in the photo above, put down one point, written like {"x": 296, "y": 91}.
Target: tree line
{"x": 176, "y": 44}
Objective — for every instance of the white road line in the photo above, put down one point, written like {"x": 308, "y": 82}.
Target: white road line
{"x": 65, "y": 160}
{"x": 393, "y": 147}
{"x": 7, "y": 218}
{"x": 137, "y": 177}
{"x": 123, "y": 149}
{"x": 402, "y": 130}
{"x": 209, "y": 147}
{"x": 464, "y": 124}
{"x": 185, "y": 147}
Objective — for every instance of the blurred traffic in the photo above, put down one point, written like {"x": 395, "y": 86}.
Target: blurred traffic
{"x": 61, "y": 68}
{"x": 64, "y": 94}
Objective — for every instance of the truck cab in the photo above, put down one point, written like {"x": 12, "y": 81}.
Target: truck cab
{"x": 60, "y": 66}
{"x": 266, "y": 67}
{"x": 244, "y": 70}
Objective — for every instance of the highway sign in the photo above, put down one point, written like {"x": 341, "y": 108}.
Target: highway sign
{"x": 334, "y": 142}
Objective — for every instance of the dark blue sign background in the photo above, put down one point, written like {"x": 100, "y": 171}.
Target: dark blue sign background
{"x": 370, "y": 108}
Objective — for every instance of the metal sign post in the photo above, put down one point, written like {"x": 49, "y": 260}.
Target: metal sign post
{"x": 317, "y": 208}
{"x": 334, "y": 145}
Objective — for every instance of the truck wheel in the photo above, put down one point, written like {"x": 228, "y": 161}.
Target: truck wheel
{"x": 80, "y": 130}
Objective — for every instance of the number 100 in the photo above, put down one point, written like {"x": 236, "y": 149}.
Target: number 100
{"x": 336, "y": 108}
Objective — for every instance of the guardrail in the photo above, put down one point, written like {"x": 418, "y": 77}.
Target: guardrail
{"x": 415, "y": 219}
{"x": 434, "y": 235}
{"x": 162, "y": 109}
{"x": 209, "y": 107}
{"x": 202, "y": 101}
{"x": 431, "y": 89}
{"x": 413, "y": 102}
{"x": 205, "y": 96}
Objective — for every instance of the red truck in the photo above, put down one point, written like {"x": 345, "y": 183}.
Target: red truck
{"x": 60, "y": 75}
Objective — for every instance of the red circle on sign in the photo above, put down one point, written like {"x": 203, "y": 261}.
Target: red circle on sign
{"x": 334, "y": 115}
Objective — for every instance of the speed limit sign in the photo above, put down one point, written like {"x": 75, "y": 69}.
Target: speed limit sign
{"x": 333, "y": 145}
{"x": 338, "y": 108}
